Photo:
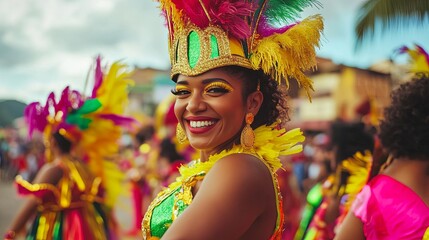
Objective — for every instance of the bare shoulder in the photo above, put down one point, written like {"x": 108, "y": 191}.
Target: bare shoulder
{"x": 233, "y": 196}
{"x": 49, "y": 173}
{"x": 242, "y": 175}
{"x": 351, "y": 226}
{"x": 243, "y": 167}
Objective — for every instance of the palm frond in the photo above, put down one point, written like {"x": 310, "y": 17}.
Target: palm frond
{"x": 389, "y": 14}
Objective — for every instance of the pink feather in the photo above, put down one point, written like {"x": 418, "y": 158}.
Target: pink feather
{"x": 265, "y": 29}
{"x": 32, "y": 116}
{"x": 63, "y": 103}
{"x": 423, "y": 52}
{"x": 76, "y": 99}
{"x": 123, "y": 121}
{"x": 36, "y": 115}
{"x": 98, "y": 77}
{"x": 402, "y": 49}
{"x": 232, "y": 16}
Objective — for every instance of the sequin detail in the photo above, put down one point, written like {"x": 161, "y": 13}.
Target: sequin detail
{"x": 162, "y": 219}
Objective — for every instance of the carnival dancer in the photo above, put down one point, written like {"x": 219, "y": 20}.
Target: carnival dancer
{"x": 165, "y": 126}
{"x": 227, "y": 61}
{"x": 329, "y": 201}
{"x": 169, "y": 162}
{"x": 353, "y": 161}
{"x": 395, "y": 203}
{"x": 71, "y": 196}
{"x": 140, "y": 175}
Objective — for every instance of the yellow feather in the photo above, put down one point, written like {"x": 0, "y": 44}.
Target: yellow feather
{"x": 113, "y": 93}
{"x": 100, "y": 140}
{"x": 359, "y": 167}
{"x": 418, "y": 61}
{"x": 173, "y": 14}
{"x": 270, "y": 144}
{"x": 289, "y": 54}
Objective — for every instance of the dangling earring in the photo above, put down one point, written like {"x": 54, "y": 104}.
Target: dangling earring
{"x": 180, "y": 134}
{"x": 247, "y": 138}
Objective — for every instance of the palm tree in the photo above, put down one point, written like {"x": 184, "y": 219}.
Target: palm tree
{"x": 389, "y": 14}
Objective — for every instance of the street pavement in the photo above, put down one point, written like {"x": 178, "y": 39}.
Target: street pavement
{"x": 10, "y": 203}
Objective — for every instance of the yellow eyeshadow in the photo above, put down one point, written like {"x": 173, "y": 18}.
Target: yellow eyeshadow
{"x": 181, "y": 88}
{"x": 219, "y": 85}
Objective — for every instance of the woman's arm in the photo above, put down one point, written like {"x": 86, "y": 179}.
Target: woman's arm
{"x": 351, "y": 228}
{"x": 231, "y": 197}
{"x": 47, "y": 174}
{"x": 25, "y": 212}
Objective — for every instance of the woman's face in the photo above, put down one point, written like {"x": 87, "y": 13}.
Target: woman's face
{"x": 210, "y": 108}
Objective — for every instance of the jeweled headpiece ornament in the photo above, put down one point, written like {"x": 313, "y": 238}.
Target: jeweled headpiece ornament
{"x": 206, "y": 34}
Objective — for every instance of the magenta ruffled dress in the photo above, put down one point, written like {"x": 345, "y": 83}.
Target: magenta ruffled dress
{"x": 390, "y": 210}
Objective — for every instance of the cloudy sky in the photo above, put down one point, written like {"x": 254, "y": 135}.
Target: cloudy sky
{"x": 47, "y": 45}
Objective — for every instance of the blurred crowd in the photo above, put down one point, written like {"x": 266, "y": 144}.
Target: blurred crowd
{"x": 318, "y": 184}
{"x": 18, "y": 155}
{"x": 150, "y": 158}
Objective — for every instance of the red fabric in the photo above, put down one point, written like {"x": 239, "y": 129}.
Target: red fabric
{"x": 170, "y": 117}
{"x": 291, "y": 205}
{"x": 21, "y": 162}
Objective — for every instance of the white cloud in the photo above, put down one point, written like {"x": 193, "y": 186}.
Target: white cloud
{"x": 47, "y": 45}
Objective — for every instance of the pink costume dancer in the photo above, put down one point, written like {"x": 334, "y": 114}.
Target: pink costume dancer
{"x": 382, "y": 201}
{"x": 395, "y": 204}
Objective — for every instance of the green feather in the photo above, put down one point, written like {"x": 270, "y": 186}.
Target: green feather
{"x": 77, "y": 117}
{"x": 286, "y": 11}
{"x": 89, "y": 106}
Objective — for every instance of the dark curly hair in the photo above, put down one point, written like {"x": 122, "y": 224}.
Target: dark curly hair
{"x": 145, "y": 134}
{"x": 168, "y": 150}
{"x": 348, "y": 138}
{"x": 274, "y": 105}
{"x": 404, "y": 132}
{"x": 64, "y": 145}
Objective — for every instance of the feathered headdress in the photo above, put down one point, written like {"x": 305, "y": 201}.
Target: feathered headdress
{"x": 418, "y": 58}
{"x": 93, "y": 124}
{"x": 206, "y": 34}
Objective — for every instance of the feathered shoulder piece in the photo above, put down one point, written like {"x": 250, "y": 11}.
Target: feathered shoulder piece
{"x": 255, "y": 34}
{"x": 270, "y": 144}
{"x": 358, "y": 168}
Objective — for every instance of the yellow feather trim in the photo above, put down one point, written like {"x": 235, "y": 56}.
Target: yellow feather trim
{"x": 418, "y": 61}
{"x": 113, "y": 93}
{"x": 270, "y": 144}
{"x": 289, "y": 54}
{"x": 172, "y": 14}
{"x": 100, "y": 140}
{"x": 359, "y": 167}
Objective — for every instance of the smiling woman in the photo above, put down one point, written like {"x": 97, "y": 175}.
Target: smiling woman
{"x": 227, "y": 62}
{"x": 204, "y": 108}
